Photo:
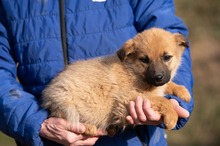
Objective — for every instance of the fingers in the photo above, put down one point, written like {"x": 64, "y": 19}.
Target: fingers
{"x": 89, "y": 141}
{"x": 139, "y": 110}
{"x": 56, "y": 130}
{"x": 183, "y": 113}
{"x": 71, "y": 138}
{"x": 60, "y": 131}
{"x": 142, "y": 113}
{"x": 136, "y": 112}
{"x": 132, "y": 110}
{"x": 77, "y": 128}
{"x": 130, "y": 120}
{"x": 78, "y": 139}
{"x": 149, "y": 112}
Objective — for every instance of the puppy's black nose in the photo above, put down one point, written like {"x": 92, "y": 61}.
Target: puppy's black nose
{"x": 158, "y": 77}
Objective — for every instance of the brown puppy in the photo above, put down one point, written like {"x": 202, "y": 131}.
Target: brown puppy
{"x": 97, "y": 92}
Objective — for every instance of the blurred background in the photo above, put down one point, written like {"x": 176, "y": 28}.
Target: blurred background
{"x": 203, "y": 19}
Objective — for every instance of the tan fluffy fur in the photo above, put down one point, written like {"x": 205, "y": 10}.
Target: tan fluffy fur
{"x": 97, "y": 92}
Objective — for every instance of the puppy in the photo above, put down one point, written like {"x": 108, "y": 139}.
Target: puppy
{"x": 97, "y": 92}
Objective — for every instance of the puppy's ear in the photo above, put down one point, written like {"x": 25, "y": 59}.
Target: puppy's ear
{"x": 181, "y": 40}
{"x": 126, "y": 50}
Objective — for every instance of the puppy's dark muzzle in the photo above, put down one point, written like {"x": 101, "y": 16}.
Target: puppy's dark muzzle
{"x": 157, "y": 75}
{"x": 158, "y": 79}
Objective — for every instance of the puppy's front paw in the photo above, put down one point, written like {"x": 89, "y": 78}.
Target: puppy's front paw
{"x": 166, "y": 109}
{"x": 183, "y": 93}
{"x": 170, "y": 119}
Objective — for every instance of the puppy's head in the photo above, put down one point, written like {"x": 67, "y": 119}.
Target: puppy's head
{"x": 153, "y": 55}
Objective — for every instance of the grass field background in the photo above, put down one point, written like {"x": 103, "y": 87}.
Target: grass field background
{"x": 203, "y": 19}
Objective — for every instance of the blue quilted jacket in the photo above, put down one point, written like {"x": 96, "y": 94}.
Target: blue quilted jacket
{"x": 37, "y": 38}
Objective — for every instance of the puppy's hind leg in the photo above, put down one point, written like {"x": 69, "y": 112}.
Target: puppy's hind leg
{"x": 67, "y": 112}
{"x": 72, "y": 116}
{"x": 91, "y": 130}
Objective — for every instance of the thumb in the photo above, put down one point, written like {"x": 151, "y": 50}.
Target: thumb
{"x": 183, "y": 113}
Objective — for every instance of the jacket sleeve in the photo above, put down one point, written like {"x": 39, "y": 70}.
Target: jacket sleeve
{"x": 20, "y": 113}
{"x": 161, "y": 13}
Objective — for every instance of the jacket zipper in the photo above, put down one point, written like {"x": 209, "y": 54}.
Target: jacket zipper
{"x": 63, "y": 31}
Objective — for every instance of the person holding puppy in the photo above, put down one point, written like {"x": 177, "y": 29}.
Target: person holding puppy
{"x": 38, "y": 38}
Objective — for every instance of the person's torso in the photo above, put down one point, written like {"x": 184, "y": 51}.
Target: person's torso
{"x": 92, "y": 29}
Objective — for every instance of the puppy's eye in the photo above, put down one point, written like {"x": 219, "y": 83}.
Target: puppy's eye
{"x": 144, "y": 59}
{"x": 167, "y": 57}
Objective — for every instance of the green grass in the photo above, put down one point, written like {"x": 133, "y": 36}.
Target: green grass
{"x": 6, "y": 141}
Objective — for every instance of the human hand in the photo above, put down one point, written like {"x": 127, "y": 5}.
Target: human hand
{"x": 60, "y": 131}
{"x": 142, "y": 113}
